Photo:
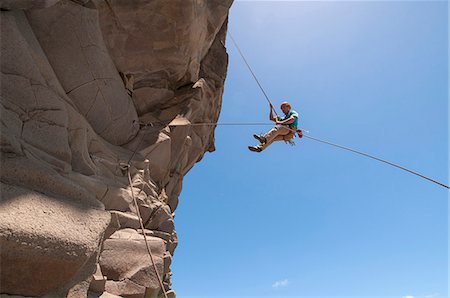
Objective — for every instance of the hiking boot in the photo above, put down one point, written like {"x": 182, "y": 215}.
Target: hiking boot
{"x": 260, "y": 138}
{"x": 254, "y": 148}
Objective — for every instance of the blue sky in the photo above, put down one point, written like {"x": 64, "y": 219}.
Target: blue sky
{"x": 312, "y": 220}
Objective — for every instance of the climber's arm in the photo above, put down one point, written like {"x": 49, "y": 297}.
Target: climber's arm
{"x": 290, "y": 120}
{"x": 271, "y": 117}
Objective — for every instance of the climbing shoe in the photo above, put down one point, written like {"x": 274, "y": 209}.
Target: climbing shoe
{"x": 260, "y": 138}
{"x": 254, "y": 148}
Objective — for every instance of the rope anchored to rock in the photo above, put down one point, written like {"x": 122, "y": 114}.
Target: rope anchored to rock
{"x": 126, "y": 167}
{"x": 304, "y": 133}
{"x": 301, "y": 132}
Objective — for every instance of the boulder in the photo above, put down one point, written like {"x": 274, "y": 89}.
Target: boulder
{"x": 46, "y": 242}
{"x": 126, "y": 262}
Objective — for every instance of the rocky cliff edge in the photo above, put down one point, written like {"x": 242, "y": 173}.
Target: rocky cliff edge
{"x": 88, "y": 86}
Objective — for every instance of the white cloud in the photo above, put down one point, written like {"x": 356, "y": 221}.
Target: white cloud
{"x": 282, "y": 283}
{"x": 434, "y": 295}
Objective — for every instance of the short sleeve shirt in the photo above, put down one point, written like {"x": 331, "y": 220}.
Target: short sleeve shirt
{"x": 288, "y": 115}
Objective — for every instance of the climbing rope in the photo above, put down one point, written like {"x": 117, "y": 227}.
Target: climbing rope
{"x": 322, "y": 141}
{"x": 137, "y": 146}
{"x": 317, "y": 140}
{"x": 167, "y": 123}
{"x": 377, "y": 158}
{"x": 126, "y": 166}
{"x": 149, "y": 250}
{"x": 250, "y": 68}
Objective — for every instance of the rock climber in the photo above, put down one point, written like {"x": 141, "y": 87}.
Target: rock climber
{"x": 284, "y": 129}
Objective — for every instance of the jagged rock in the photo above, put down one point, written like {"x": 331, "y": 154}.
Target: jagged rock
{"x": 102, "y": 295}
{"x": 90, "y": 77}
{"x": 126, "y": 262}
{"x": 92, "y": 91}
{"x": 122, "y": 220}
{"x": 182, "y": 32}
{"x": 165, "y": 236}
{"x": 98, "y": 281}
{"x": 172, "y": 244}
{"x": 26, "y": 4}
{"x": 45, "y": 242}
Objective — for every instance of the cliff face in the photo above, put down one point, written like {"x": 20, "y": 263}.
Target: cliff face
{"x": 88, "y": 86}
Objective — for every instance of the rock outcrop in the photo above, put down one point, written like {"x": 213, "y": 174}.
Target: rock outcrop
{"x": 92, "y": 90}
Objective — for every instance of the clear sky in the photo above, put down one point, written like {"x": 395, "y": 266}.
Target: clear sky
{"x": 312, "y": 220}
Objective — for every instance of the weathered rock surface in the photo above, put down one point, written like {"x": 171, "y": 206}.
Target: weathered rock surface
{"x": 88, "y": 86}
{"x": 45, "y": 241}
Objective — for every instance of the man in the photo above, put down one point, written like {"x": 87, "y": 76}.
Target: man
{"x": 284, "y": 129}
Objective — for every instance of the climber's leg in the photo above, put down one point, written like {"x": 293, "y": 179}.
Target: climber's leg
{"x": 260, "y": 138}
{"x": 278, "y": 133}
{"x": 289, "y": 136}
